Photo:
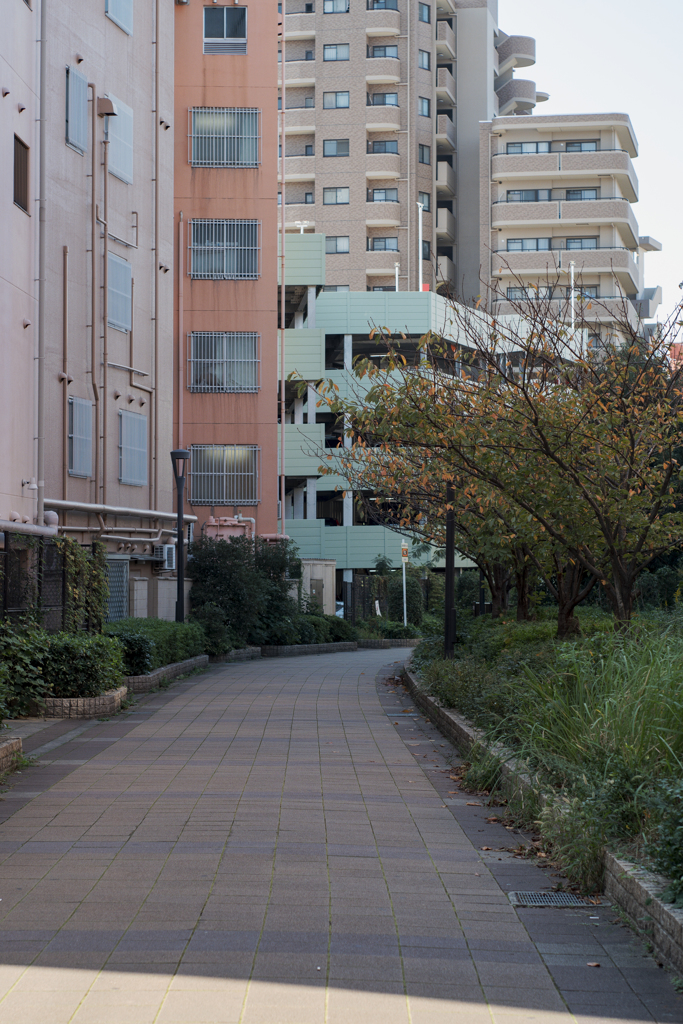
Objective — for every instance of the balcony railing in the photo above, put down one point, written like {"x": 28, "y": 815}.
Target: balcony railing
{"x": 382, "y": 5}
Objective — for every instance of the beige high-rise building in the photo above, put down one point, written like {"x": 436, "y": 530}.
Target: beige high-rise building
{"x": 371, "y": 93}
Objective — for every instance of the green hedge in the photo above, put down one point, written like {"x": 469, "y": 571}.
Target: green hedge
{"x": 388, "y": 629}
{"x": 82, "y": 664}
{"x": 171, "y": 641}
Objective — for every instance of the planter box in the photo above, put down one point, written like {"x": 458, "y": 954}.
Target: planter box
{"x": 108, "y": 703}
{"x": 385, "y": 645}
{"x": 241, "y": 654}
{"x": 296, "y": 650}
{"x": 10, "y": 750}
{"x": 141, "y": 684}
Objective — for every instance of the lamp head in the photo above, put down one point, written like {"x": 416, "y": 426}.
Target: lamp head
{"x": 179, "y": 457}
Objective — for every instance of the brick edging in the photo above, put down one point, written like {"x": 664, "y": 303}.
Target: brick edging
{"x": 383, "y": 644}
{"x": 292, "y": 650}
{"x": 141, "y": 684}
{"x": 10, "y": 750}
{"x": 107, "y": 703}
{"x": 240, "y": 654}
{"x": 631, "y": 887}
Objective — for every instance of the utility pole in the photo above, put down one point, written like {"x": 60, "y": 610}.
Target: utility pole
{"x": 449, "y": 601}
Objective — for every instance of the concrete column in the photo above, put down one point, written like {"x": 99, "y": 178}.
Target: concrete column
{"x": 298, "y": 410}
{"x": 311, "y": 305}
{"x": 311, "y": 497}
{"x": 298, "y": 319}
{"x": 312, "y": 398}
{"x": 289, "y": 507}
{"x": 348, "y": 351}
{"x": 298, "y": 503}
{"x": 347, "y": 513}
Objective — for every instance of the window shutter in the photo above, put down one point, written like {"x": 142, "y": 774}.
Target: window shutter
{"x": 120, "y": 136}
{"x": 80, "y": 437}
{"x": 121, "y": 13}
{"x": 132, "y": 448}
{"x": 76, "y": 110}
{"x": 119, "y": 293}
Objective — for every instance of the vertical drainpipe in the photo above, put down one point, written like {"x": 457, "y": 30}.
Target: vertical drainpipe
{"x": 105, "y": 320}
{"x": 155, "y": 396}
{"x": 94, "y": 375}
{"x": 40, "y": 446}
{"x": 65, "y": 370}
{"x": 181, "y": 336}
{"x": 282, "y": 284}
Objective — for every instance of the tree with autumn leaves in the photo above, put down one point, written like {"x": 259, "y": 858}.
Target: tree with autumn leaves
{"x": 564, "y": 455}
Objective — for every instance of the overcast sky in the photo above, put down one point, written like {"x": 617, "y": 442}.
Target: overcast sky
{"x": 620, "y": 56}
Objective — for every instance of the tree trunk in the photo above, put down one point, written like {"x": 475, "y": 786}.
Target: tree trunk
{"x": 498, "y": 578}
{"x": 568, "y": 594}
{"x": 522, "y": 580}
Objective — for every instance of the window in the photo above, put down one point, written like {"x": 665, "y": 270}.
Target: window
{"x": 335, "y": 100}
{"x": 584, "y": 291}
{"x": 336, "y": 51}
{"x": 423, "y": 106}
{"x": 80, "y": 437}
{"x": 426, "y": 200}
{"x": 517, "y": 148}
{"x": 531, "y": 293}
{"x": 224, "y": 474}
{"x": 132, "y": 448}
{"x": 336, "y": 7}
{"x": 119, "y": 293}
{"x": 224, "y": 137}
{"x": 424, "y": 13}
{"x": 121, "y": 13}
{"x": 582, "y": 147}
{"x": 309, "y": 55}
{"x": 335, "y": 196}
{"x": 382, "y": 288}
{"x": 582, "y": 243}
{"x": 528, "y": 195}
{"x": 225, "y": 30}
{"x": 383, "y": 245}
{"x": 383, "y": 99}
{"x": 424, "y": 154}
{"x": 308, "y": 8}
{"x": 224, "y": 361}
{"x": 383, "y": 195}
{"x": 119, "y": 131}
{"x": 528, "y": 244}
{"x": 382, "y": 5}
{"x": 224, "y": 250}
{"x": 309, "y": 101}
{"x": 383, "y": 146}
{"x": 581, "y": 194}
{"x": 76, "y": 110}
{"x": 383, "y": 51}
{"x": 20, "y": 174}
{"x": 426, "y": 249}
{"x": 308, "y": 198}
{"x": 424, "y": 59}
{"x": 335, "y": 147}
{"x": 336, "y": 243}
{"x": 279, "y": 103}
{"x": 336, "y": 288}
{"x": 308, "y": 149}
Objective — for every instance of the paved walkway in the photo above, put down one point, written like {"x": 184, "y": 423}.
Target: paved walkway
{"x": 264, "y": 845}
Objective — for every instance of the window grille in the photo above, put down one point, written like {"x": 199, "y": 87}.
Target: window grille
{"x": 20, "y": 174}
{"x": 120, "y": 136}
{"x": 119, "y": 293}
{"x": 80, "y": 437}
{"x": 117, "y": 579}
{"x": 224, "y": 137}
{"x": 225, "y": 30}
{"x": 121, "y": 13}
{"x": 224, "y": 250}
{"x": 76, "y": 110}
{"x": 223, "y": 361}
{"x": 224, "y": 474}
{"x": 132, "y": 448}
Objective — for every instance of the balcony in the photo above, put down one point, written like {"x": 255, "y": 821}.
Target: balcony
{"x": 602, "y": 310}
{"x": 445, "y": 178}
{"x": 295, "y": 213}
{"x": 601, "y": 211}
{"x": 517, "y": 94}
{"x": 382, "y": 23}
{"x": 445, "y": 225}
{"x": 383, "y": 119}
{"x": 383, "y": 166}
{"x": 615, "y": 162}
{"x": 383, "y": 71}
{"x": 607, "y": 260}
{"x": 445, "y": 132}
{"x": 299, "y": 26}
{"x": 298, "y": 73}
{"x": 516, "y": 52}
{"x": 382, "y": 215}
{"x": 300, "y": 121}
{"x": 445, "y": 41}
{"x": 524, "y": 214}
{"x": 445, "y": 272}
{"x": 297, "y": 168}
{"x": 445, "y": 86}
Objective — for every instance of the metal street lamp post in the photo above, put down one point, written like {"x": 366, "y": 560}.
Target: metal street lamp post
{"x": 449, "y": 624}
{"x": 179, "y": 458}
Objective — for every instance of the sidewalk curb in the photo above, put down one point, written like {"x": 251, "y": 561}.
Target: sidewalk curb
{"x": 141, "y": 684}
{"x": 10, "y": 750}
{"x": 632, "y": 888}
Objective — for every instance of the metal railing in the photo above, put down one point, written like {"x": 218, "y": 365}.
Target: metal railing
{"x": 566, "y": 248}
{"x": 559, "y": 199}
{"x": 224, "y": 136}
{"x": 223, "y": 361}
{"x": 224, "y": 474}
{"x": 224, "y": 250}
{"x": 32, "y": 579}
{"x": 382, "y": 5}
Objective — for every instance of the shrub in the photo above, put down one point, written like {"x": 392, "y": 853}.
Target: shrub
{"x": 387, "y": 629}
{"x": 82, "y": 664}
{"x": 23, "y": 649}
{"x": 666, "y": 846}
{"x": 138, "y": 653}
{"x": 219, "y": 637}
{"x": 305, "y": 625}
{"x": 414, "y": 599}
{"x": 172, "y": 641}
{"x": 322, "y": 629}
{"x": 341, "y": 631}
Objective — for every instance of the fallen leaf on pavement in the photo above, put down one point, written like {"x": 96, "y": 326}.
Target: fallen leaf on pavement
{"x": 484, "y": 847}
{"x": 493, "y": 818}
{"x": 473, "y": 803}
{"x": 592, "y": 965}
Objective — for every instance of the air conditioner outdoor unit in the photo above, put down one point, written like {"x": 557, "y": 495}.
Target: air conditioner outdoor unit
{"x": 165, "y": 553}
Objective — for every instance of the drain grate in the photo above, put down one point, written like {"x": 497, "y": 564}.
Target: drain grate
{"x": 551, "y": 899}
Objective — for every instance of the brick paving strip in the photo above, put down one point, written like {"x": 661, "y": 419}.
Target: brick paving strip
{"x": 263, "y": 845}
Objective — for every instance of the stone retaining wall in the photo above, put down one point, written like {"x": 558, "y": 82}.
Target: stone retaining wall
{"x": 10, "y": 750}
{"x": 106, "y": 704}
{"x": 142, "y": 684}
{"x": 632, "y": 888}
